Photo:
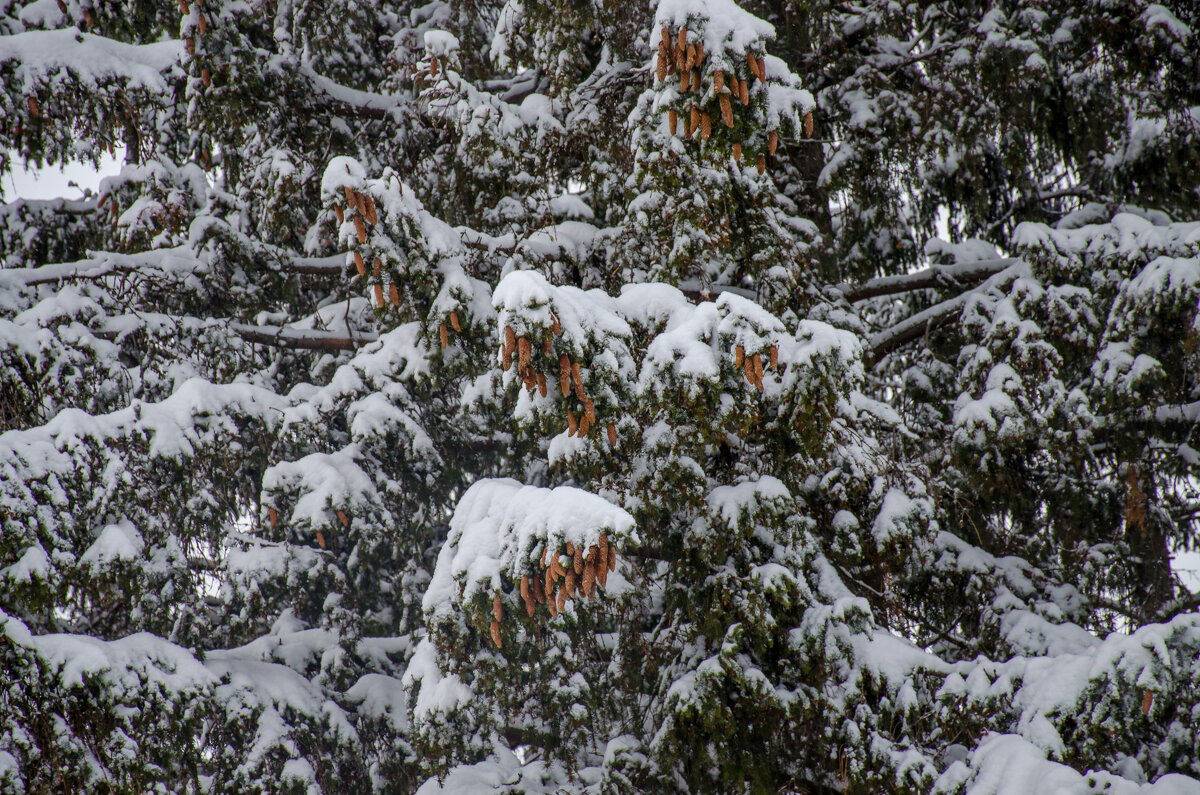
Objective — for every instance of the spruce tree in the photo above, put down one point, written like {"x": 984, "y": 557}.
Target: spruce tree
{"x": 597, "y": 397}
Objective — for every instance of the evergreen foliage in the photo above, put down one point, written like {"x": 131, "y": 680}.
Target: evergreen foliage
{"x": 679, "y": 396}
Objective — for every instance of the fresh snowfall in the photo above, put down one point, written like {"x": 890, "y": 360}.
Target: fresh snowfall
{"x": 600, "y": 397}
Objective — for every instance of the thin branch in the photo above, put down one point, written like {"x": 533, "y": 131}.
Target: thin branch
{"x": 298, "y": 339}
{"x": 280, "y": 337}
{"x": 935, "y": 276}
{"x": 110, "y": 265}
{"x": 916, "y": 326}
{"x": 922, "y": 323}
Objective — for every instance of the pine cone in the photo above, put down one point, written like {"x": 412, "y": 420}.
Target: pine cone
{"x": 577, "y": 562}
{"x": 524, "y": 351}
{"x": 570, "y": 423}
{"x": 564, "y": 374}
{"x": 496, "y": 633}
{"x": 378, "y": 295}
{"x": 772, "y": 142}
{"x": 578, "y": 379}
{"x": 443, "y": 335}
{"x": 359, "y": 264}
{"x": 744, "y": 92}
{"x": 737, "y": 153}
{"x": 808, "y": 124}
{"x": 761, "y": 164}
{"x": 454, "y": 323}
{"x": 726, "y": 110}
{"x": 273, "y": 516}
{"x": 672, "y": 121}
{"x": 362, "y": 230}
{"x": 589, "y": 579}
{"x": 739, "y": 354}
{"x": 377, "y": 267}
{"x": 541, "y": 384}
{"x": 612, "y": 435}
{"x": 395, "y": 294}
{"x": 705, "y": 126}
{"x": 774, "y": 354}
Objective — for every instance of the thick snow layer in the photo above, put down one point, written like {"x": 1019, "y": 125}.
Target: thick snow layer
{"x": 119, "y": 541}
{"x": 1005, "y": 764}
{"x": 724, "y": 22}
{"x": 326, "y": 483}
{"x": 49, "y": 54}
{"x": 502, "y": 527}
